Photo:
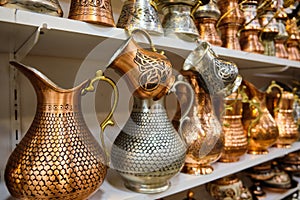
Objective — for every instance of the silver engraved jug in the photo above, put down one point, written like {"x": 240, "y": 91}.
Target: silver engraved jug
{"x": 140, "y": 14}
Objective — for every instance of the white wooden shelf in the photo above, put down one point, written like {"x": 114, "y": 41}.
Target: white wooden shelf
{"x": 113, "y": 188}
{"x": 62, "y": 36}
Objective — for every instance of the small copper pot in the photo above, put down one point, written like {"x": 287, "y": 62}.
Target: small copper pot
{"x": 97, "y": 12}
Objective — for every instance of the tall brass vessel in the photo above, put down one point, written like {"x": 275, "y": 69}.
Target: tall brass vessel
{"x": 293, "y": 40}
{"x": 206, "y": 18}
{"x": 259, "y": 124}
{"x": 96, "y": 12}
{"x": 235, "y": 138}
{"x": 58, "y": 158}
{"x": 249, "y": 33}
{"x": 280, "y": 39}
{"x": 284, "y": 116}
{"x": 231, "y": 20}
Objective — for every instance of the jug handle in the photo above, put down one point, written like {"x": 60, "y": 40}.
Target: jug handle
{"x": 146, "y": 34}
{"x": 179, "y": 80}
{"x": 252, "y": 102}
{"x": 108, "y": 120}
{"x": 269, "y": 90}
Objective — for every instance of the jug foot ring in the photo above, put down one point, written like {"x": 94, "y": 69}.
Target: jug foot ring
{"x": 196, "y": 169}
{"x": 147, "y": 188}
{"x": 284, "y": 146}
{"x": 258, "y": 151}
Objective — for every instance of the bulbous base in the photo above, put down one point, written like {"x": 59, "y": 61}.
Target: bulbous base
{"x": 147, "y": 188}
{"x": 258, "y": 151}
{"x": 197, "y": 169}
{"x": 228, "y": 159}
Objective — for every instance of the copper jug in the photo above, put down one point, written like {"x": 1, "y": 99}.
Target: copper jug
{"x": 235, "y": 138}
{"x": 283, "y": 114}
{"x": 206, "y": 17}
{"x": 249, "y": 39}
{"x": 293, "y": 40}
{"x": 58, "y": 158}
{"x": 210, "y": 78}
{"x": 140, "y": 14}
{"x": 49, "y": 7}
{"x": 97, "y": 12}
{"x": 231, "y": 20}
{"x": 259, "y": 124}
{"x": 148, "y": 151}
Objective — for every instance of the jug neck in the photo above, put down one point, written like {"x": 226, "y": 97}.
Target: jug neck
{"x": 148, "y": 105}
{"x": 50, "y": 97}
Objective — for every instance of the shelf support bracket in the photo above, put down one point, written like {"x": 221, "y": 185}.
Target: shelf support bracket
{"x": 31, "y": 41}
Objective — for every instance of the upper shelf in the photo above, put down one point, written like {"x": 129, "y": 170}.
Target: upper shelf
{"x": 68, "y": 38}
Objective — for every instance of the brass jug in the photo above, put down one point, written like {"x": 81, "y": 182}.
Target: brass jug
{"x": 140, "y": 14}
{"x": 210, "y": 78}
{"x": 259, "y": 124}
{"x": 293, "y": 40}
{"x": 58, "y": 158}
{"x": 283, "y": 114}
{"x": 231, "y": 20}
{"x": 249, "y": 33}
{"x": 206, "y": 17}
{"x": 148, "y": 151}
{"x": 235, "y": 138}
{"x": 97, "y": 12}
{"x": 49, "y": 7}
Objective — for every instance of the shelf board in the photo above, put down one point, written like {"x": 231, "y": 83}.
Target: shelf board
{"x": 75, "y": 39}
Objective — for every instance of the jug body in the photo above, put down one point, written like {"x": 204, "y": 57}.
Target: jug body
{"x": 58, "y": 157}
{"x": 148, "y": 151}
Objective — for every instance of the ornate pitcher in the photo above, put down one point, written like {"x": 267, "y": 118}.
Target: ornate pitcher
{"x": 97, "y": 12}
{"x": 235, "y": 139}
{"x": 209, "y": 76}
{"x": 249, "y": 33}
{"x": 58, "y": 158}
{"x": 206, "y": 17}
{"x": 283, "y": 115}
{"x": 259, "y": 124}
{"x": 231, "y": 20}
{"x": 177, "y": 21}
{"x": 49, "y": 7}
{"x": 148, "y": 151}
{"x": 140, "y": 14}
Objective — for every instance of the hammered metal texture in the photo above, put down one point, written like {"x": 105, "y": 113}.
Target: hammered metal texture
{"x": 58, "y": 158}
{"x": 148, "y": 151}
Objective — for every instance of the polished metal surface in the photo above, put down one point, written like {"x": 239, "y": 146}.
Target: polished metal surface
{"x": 140, "y": 14}
{"x": 259, "y": 124}
{"x": 97, "y": 12}
{"x": 58, "y": 158}
{"x": 49, "y": 7}
{"x": 178, "y": 23}
{"x": 249, "y": 34}
{"x": 235, "y": 138}
{"x": 231, "y": 20}
{"x": 147, "y": 73}
{"x": 148, "y": 151}
{"x": 293, "y": 40}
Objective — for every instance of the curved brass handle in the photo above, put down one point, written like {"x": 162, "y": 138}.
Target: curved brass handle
{"x": 269, "y": 90}
{"x": 252, "y": 102}
{"x": 108, "y": 120}
{"x": 146, "y": 34}
{"x": 194, "y": 9}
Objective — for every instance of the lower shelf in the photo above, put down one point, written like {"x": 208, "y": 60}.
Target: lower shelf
{"x": 113, "y": 188}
